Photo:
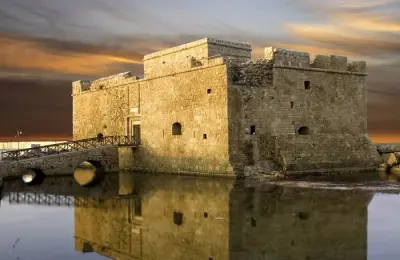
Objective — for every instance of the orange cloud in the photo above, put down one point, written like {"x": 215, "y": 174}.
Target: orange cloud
{"x": 341, "y": 37}
{"x": 22, "y": 53}
{"x": 363, "y": 3}
{"x": 384, "y": 138}
{"x": 366, "y": 22}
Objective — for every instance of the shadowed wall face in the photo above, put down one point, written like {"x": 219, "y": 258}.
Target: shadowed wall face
{"x": 224, "y": 219}
{"x": 287, "y": 112}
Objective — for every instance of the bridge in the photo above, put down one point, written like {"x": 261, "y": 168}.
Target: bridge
{"x": 72, "y": 146}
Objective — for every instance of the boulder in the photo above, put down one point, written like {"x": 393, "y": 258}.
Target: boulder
{"x": 388, "y": 148}
{"x": 389, "y": 158}
{"x": 397, "y": 154}
{"x": 395, "y": 171}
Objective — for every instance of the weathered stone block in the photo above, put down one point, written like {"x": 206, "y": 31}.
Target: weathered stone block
{"x": 389, "y": 158}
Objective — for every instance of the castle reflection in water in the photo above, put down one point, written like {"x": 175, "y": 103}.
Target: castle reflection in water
{"x": 169, "y": 217}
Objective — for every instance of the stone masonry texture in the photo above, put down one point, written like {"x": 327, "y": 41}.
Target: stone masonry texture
{"x": 238, "y": 116}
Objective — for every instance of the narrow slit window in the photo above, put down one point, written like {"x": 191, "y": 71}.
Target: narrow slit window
{"x": 204, "y": 136}
{"x": 252, "y": 129}
{"x": 307, "y": 84}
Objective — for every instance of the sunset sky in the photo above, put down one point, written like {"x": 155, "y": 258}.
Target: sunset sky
{"x": 46, "y": 44}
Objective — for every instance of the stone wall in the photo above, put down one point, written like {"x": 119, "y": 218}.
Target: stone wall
{"x": 64, "y": 163}
{"x": 196, "y": 98}
{"x": 184, "y": 57}
{"x": 278, "y": 96}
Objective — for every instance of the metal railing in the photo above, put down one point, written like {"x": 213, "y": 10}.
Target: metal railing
{"x": 72, "y": 146}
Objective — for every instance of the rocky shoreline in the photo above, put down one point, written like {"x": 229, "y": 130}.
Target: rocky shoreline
{"x": 390, "y": 168}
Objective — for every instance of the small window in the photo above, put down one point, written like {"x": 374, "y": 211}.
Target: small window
{"x": 304, "y": 130}
{"x": 291, "y": 104}
{"x": 302, "y": 215}
{"x": 307, "y": 84}
{"x": 176, "y": 129}
{"x": 205, "y": 215}
{"x": 252, "y": 129}
{"x": 209, "y": 91}
{"x": 178, "y": 218}
{"x": 204, "y": 136}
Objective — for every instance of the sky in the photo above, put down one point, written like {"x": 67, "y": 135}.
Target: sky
{"x": 47, "y": 44}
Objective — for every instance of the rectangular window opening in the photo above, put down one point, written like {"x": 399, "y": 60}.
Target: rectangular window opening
{"x": 204, "y": 136}
{"x": 252, "y": 129}
{"x": 307, "y": 84}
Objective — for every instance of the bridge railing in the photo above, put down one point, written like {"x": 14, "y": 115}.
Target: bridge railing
{"x": 72, "y": 146}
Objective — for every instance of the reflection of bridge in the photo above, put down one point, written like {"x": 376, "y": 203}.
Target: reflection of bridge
{"x": 28, "y": 198}
{"x": 72, "y": 146}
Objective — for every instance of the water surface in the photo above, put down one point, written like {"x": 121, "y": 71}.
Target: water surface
{"x": 139, "y": 216}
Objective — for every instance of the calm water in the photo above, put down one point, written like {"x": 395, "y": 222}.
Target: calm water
{"x": 169, "y": 217}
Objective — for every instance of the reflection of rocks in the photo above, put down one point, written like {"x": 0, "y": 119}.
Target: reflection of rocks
{"x": 207, "y": 218}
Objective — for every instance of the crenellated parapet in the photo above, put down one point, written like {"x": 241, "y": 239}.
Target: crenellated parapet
{"x": 81, "y": 86}
{"x": 285, "y": 57}
{"x": 251, "y": 73}
{"x": 288, "y": 58}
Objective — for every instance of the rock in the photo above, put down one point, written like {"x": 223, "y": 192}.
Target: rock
{"x": 383, "y": 167}
{"x": 388, "y": 148}
{"x": 395, "y": 171}
{"x": 397, "y": 154}
{"x": 389, "y": 158}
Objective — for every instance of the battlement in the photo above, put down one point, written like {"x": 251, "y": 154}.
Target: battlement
{"x": 101, "y": 83}
{"x": 197, "y": 43}
{"x": 178, "y": 59}
{"x": 289, "y": 58}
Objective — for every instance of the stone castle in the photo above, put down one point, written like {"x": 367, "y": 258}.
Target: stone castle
{"x": 206, "y": 107}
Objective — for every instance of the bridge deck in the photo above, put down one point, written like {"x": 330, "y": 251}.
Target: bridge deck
{"x": 72, "y": 146}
